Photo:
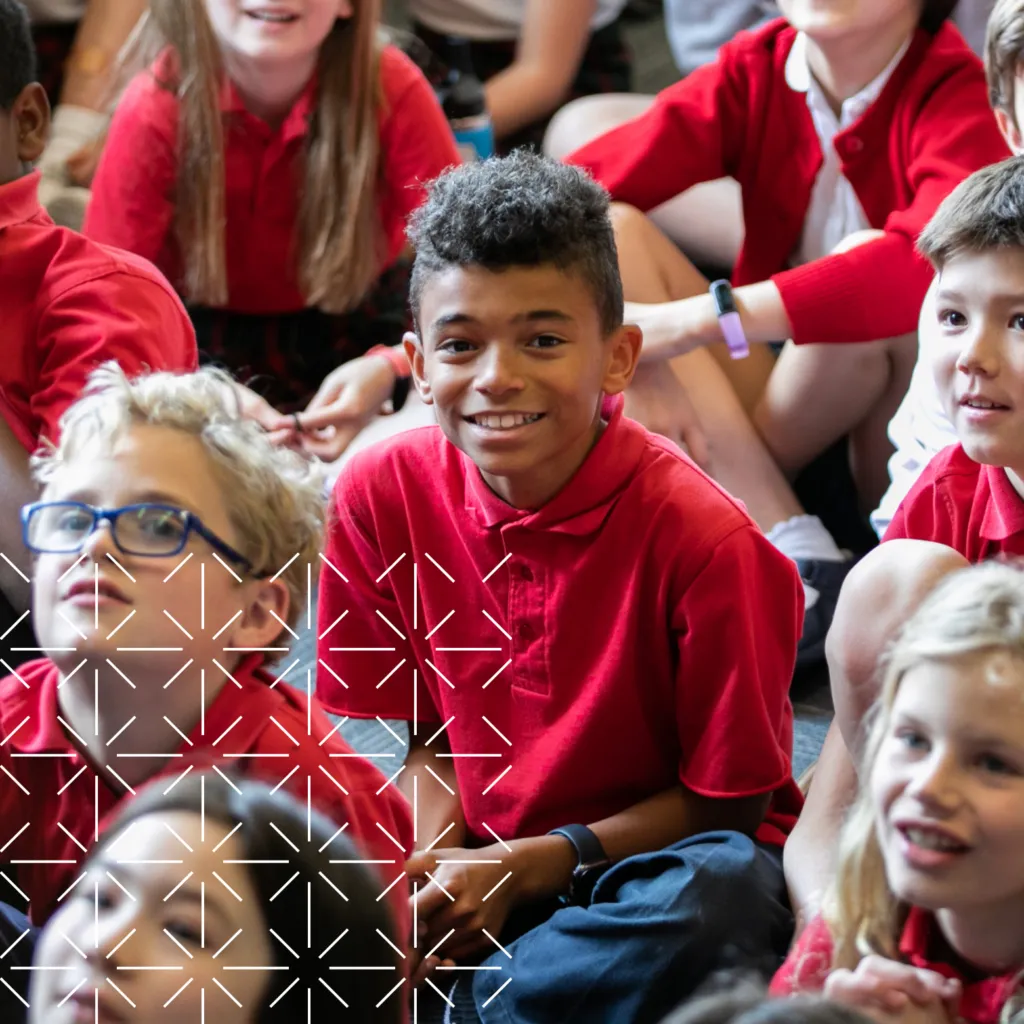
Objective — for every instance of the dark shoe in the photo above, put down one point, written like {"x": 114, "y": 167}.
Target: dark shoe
{"x": 827, "y": 579}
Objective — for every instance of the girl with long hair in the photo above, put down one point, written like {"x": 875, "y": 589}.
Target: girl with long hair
{"x": 266, "y": 159}
{"x": 927, "y": 908}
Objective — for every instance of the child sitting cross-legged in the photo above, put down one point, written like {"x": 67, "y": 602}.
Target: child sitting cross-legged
{"x": 592, "y": 641}
{"x": 173, "y": 544}
{"x": 927, "y": 909}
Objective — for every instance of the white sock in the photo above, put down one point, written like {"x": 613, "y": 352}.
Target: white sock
{"x": 805, "y": 537}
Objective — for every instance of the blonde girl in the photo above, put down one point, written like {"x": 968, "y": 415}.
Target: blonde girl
{"x": 266, "y": 160}
{"x": 925, "y": 921}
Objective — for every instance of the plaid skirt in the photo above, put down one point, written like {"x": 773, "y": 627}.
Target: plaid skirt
{"x": 607, "y": 66}
{"x": 285, "y": 357}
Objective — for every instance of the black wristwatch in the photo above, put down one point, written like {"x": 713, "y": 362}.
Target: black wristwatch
{"x": 592, "y": 862}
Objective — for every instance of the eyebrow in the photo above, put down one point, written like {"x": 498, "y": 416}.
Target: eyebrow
{"x": 146, "y": 497}
{"x": 449, "y": 319}
{"x": 1005, "y": 298}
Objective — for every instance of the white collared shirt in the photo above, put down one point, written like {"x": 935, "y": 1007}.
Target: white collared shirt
{"x": 835, "y": 212}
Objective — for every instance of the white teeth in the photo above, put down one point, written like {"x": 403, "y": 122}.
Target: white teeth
{"x": 929, "y": 840}
{"x": 270, "y": 16}
{"x": 980, "y": 403}
{"x": 504, "y": 421}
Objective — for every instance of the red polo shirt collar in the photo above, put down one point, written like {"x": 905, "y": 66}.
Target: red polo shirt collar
{"x": 582, "y": 505}
{"x": 982, "y": 1000}
{"x": 246, "y": 687}
{"x": 295, "y": 124}
{"x": 19, "y": 200}
{"x": 1004, "y": 511}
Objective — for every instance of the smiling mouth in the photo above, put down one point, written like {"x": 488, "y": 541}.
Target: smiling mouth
{"x": 505, "y": 420}
{"x": 929, "y": 839}
{"x": 981, "y": 403}
{"x": 273, "y": 17}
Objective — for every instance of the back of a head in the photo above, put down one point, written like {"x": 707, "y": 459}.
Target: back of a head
{"x": 519, "y": 211}
{"x": 1004, "y": 54}
{"x": 743, "y": 1000}
{"x": 17, "y": 52}
{"x": 983, "y": 213}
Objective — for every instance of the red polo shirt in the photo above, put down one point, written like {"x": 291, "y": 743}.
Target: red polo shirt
{"x": 930, "y": 128}
{"x": 52, "y": 803}
{"x": 921, "y": 945}
{"x": 635, "y": 632}
{"x": 68, "y": 305}
{"x": 964, "y": 505}
{"x": 133, "y": 193}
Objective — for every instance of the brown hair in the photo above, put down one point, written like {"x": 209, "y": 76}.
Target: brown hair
{"x": 1004, "y": 53}
{"x": 985, "y": 211}
{"x": 341, "y": 242}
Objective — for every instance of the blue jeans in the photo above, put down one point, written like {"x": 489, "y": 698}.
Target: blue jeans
{"x": 13, "y": 924}
{"x": 657, "y": 926}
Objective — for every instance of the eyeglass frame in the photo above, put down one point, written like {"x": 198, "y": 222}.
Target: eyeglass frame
{"x": 191, "y": 522}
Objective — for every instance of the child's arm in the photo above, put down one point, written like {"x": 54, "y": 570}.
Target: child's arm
{"x": 430, "y": 785}
{"x": 16, "y": 489}
{"x": 132, "y": 205}
{"x": 551, "y": 46}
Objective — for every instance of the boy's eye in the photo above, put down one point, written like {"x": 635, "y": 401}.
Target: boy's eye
{"x": 952, "y": 318}
{"x": 546, "y": 341}
{"x": 160, "y": 523}
{"x": 911, "y": 739}
{"x": 1017, "y": 321}
{"x": 73, "y": 521}
{"x": 995, "y": 764}
{"x": 456, "y": 346}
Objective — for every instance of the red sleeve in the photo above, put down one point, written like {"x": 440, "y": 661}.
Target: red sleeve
{"x": 132, "y": 204}
{"x": 876, "y": 290}
{"x": 126, "y": 315}
{"x": 693, "y": 132}
{"x": 356, "y": 604}
{"x": 416, "y": 143}
{"x": 808, "y": 964}
{"x": 734, "y": 715}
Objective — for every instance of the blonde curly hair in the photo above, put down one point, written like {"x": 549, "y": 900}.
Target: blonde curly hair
{"x": 274, "y": 496}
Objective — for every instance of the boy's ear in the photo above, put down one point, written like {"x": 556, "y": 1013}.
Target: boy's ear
{"x": 257, "y": 626}
{"x": 1010, "y": 131}
{"x": 31, "y": 114}
{"x": 624, "y": 344}
{"x": 414, "y": 353}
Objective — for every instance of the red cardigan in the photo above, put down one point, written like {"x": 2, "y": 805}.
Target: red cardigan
{"x": 930, "y": 127}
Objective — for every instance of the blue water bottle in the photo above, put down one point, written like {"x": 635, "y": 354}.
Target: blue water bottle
{"x": 465, "y": 105}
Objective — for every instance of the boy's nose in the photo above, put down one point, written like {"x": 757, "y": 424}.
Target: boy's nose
{"x": 980, "y": 353}
{"x": 498, "y": 371}
{"x": 100, "y": 542}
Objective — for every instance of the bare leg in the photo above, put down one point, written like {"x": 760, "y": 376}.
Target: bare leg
{"x": 879, "y": 595}
{"x": 654, "y": 270}
{"x": 706, "y": 221}
{"x": 819, "y": 393}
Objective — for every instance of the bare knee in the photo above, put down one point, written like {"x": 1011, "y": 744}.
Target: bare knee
{"x": 879, "y": 595}
{"x": 585, "y": 119}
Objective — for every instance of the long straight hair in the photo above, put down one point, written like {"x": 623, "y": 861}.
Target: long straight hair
{"x": 340, "y": 239}
{"x": 973, "y": 612}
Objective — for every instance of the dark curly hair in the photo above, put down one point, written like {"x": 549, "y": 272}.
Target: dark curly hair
{"x": 17, "y": 52}
{"x": 519, "y": 211}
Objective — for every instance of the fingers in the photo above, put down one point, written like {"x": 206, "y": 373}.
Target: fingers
{"x": 328, "y": 446}
{"x": 891, "y": 986}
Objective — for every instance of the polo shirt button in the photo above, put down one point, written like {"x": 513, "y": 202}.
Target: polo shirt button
{"x": 526, "y": 573}
{"x": 525, "y": 631}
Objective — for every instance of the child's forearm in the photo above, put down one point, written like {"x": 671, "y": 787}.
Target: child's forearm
{"x": 430, "y": 785}
{"x": 105, "y": 28}
{"x": 543, "y": 865}
{"x": 675, "y": 328}
{"x": 551, "y": 46}
{"x": 17, "y": 490}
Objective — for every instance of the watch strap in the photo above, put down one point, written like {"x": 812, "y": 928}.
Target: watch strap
{"x": 589, "y": 850}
